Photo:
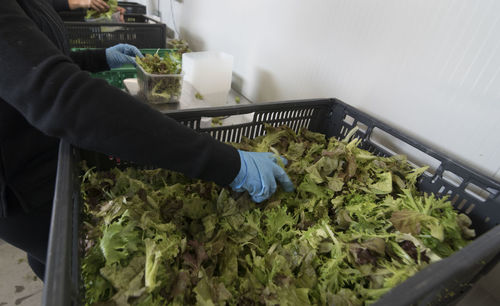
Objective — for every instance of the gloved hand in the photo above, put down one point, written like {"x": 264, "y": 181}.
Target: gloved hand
{"x": 258, "y": 174}
{"x": 121, "y": 54}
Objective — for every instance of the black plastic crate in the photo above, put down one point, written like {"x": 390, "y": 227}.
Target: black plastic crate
{"x": 103, "y": 35}
{"x": 135, "y": 18}
{"x": 441, "y": 283}
{"x": 134, "y": 12}
{"x": 79, "y": 16}
{"x": 133, "y": 7}
{"x": 75, "y": 15}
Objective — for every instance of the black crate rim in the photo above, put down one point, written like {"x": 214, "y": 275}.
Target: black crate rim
{"x": 106, "y": 34}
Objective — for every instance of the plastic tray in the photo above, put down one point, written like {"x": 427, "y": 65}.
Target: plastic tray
{"x": 115, "y": 17}
{"x": 441, "y": 283}
{"x": 103, "y": 35}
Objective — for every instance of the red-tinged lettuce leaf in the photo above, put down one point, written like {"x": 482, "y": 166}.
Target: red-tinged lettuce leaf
{"x": 313, "y": 137}
{"x": 406, "y": 221}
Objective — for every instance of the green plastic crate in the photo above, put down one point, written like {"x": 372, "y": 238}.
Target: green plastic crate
{"x": 116, "y": 76}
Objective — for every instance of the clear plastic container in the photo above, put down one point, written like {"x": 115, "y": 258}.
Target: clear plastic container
{"x": 210, "y": 73}
{"x": 115, "y": 17}
{"x": 159, "y": 88}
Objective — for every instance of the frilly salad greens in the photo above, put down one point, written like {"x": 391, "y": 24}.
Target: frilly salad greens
{"x": 154, "y": 64}
{"x": 162, "y": 88}
{"x": 180, "y": 45}
{"x": 93, "y": 14}
{"x": 355, "y": 227}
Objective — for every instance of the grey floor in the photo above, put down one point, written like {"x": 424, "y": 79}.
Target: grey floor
{"x": 19, "y": 286}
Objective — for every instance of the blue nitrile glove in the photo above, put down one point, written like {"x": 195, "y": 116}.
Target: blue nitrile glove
{"x": 258, "y": 174}
{"x": 121, "y": 54}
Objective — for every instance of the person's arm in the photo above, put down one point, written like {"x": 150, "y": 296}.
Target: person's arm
{"x": 92, "y": 60}
{"x": 95, "y": 60}
{"x": 61, "y": 5}
{"x": 66, "y": 5}
{"x": 98, "y": 5}
{"x": 62, "y": 101}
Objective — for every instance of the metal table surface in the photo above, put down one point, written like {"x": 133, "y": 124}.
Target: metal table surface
{"x": 188, "y": 100}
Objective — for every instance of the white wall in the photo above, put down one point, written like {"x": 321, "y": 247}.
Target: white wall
{"x": 430, "y": 68}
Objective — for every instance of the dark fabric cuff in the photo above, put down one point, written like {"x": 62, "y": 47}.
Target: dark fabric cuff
{"x": 92, "y": 60}
{"x": 60, "y": 5}
{"x": 225, "y": 164}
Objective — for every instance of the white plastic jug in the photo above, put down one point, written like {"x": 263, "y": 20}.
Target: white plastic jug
{"x": 210, "y": 73}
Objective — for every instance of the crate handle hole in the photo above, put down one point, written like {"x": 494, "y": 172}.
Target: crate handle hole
{"x": 222, "y": 121}
{"x": 470, "y": 208}
{"x": 461, "y": 204}
{"x": 477, "y": 192}
{"x": 362, "y": 127}
{"x": 451, "y": 178}
{"x": 349, "y": 120}
{"x": 441, "y": 190}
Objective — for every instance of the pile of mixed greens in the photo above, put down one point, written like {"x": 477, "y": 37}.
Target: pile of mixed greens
{"x": 180, "y": 45}
{"x": 166, "y": 84}
{"x": 93, "y": 14}
{"x": 355, "y": 227}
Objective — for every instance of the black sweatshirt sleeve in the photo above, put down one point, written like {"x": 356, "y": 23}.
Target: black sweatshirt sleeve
{"x": 60, "y": 5}
{"x": 90, "y": 60}
{"x": 62, "y": 101}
